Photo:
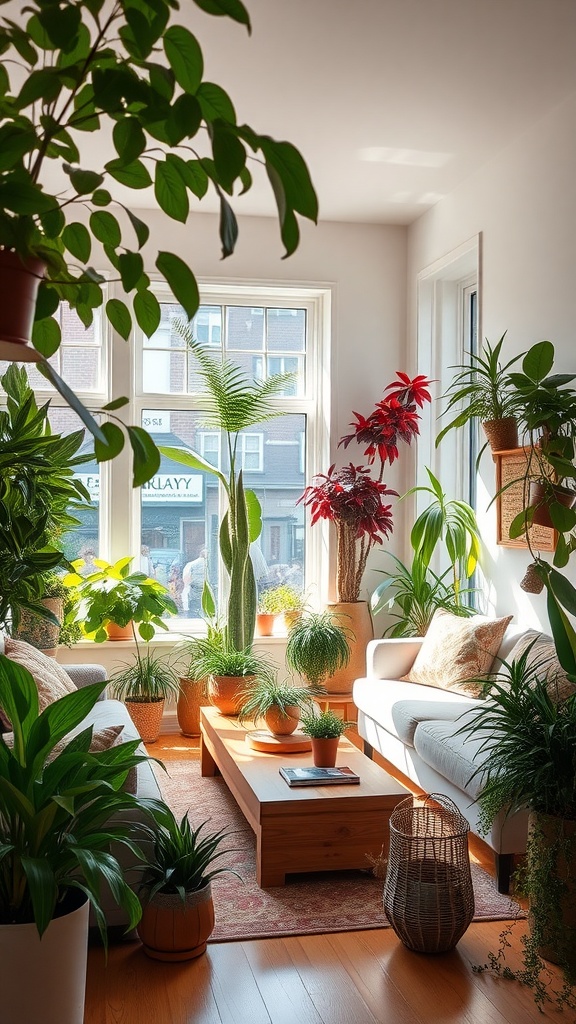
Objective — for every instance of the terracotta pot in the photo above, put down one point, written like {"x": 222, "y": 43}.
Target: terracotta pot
{"x": 539, "y": 497}
{"x": 325, "y": 751}
{"x": 19, "y": 283}
{"x": 147, "y": 717}
{"x": 354, "y": 616}
{"x": 224, "y": 692}
{"x": 559, "y": 932}
{"x": 115, "y": 632}
{"x": 290, "y": 618}
{"x": 502, "y": 434}
{"x": 282, "y": 725}
{"x": 264, "y": 624}
{"x": 191, "y": 697}
{"x": 45, "y": 979}
{"x": 38, "y": 632}
{"x": 173, "y": 930}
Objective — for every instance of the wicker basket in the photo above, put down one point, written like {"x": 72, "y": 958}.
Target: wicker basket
{"x": 428, "y": 895}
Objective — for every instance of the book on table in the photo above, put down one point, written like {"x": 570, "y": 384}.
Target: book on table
{"x": 310, "y": 776}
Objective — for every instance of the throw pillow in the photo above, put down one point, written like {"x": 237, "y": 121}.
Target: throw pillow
{"x": 52, "y": 681}
{"x": 457, "y": 650}
{"x": 543, "y": 660}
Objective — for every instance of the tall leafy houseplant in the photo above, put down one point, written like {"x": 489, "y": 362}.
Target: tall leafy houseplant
{"x": 129, "y": 71}
{"x": 115, "y": 595}
{"x": 235, "y": 403}
{"x": 411, "y": 595}
{"x": 39, "y": 495}
{"x": 350, "y": 497}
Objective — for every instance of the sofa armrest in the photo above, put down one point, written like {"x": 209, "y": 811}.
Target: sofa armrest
{"x": 83, "y": 675}
{"x": 391, "y": 659}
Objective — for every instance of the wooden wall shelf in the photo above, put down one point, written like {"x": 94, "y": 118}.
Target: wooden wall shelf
{"x": 511, "y": 466}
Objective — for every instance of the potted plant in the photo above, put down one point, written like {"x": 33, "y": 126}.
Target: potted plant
{"x": 416, "y": 592}
{"x": 284, "y": 600}
{"x": 483, "y": 390}
{"x": 547, "y": 410}
{"x": 177, "y": 905}
{"x": 117, "y": 600}
{"x": 61, "y": 814}
{"x": 318, "y": 646}
{"x": 266, "y": 612}
{"x": 527, "y": 729}
{"x": 130, "y": 73}
{"x": 324, "y": 729}
{"x": 40, "y": 495}
{"x": 235, "y": 402}
{"x": 144, "y": 686}
{"x": 278, "y": 703}
{"x": 37, "y": 630}
{"x": 228, "y": 670}
{"x": 355, "y": 503}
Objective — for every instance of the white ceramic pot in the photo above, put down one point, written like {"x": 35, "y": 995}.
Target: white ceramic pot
{"x": 43, "y": 981}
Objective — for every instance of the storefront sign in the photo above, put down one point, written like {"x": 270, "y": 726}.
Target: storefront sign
{"x": 173, "y": 488}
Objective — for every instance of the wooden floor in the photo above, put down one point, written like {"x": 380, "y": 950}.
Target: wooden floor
{"x": 343, "y": 978}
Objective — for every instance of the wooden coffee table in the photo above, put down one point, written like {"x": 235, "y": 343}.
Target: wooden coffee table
{"x": 312, "y": 828}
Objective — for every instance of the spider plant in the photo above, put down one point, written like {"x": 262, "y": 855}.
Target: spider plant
{"x": 265, "y": 693}
{"x": 325, "y": 725}
{"x": 180, "y": 858}
{"x": 317, "y": 647}
{"x": 148, "y": 679}
{"x": 417, "y": 592}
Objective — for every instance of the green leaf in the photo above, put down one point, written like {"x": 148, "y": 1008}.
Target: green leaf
{"x": 197, "y": 179}
{"x": 147, "y": 312}
{"x": 76, "y": 238}
{"x": 215, "y": 103}
{"x": 83, "y": 182}
{"x": 47, "y": 301}
{"x": 228, "y": 227}
{"x": 184, "y": 56}
{"x": 254, "y": 514}
{"x": 141, "y": 229}
{"x": 294, "y": 174}
{"x": 538, "y": 361}
{"x": 46, "y": 336}
{"x": 119, "y": 316}
{"x": 563, "y": 591}
{"x": 184, "y": 119}
{"x": 20, "y": 197}
{"x": 181, "y": 280}
{"x": 231, "y": 8}
{"x": 170, "y": 192}
{"x": 105, "y": 228}
{"x": 53, "y": 222}
{"x": 116, "y": 403}
{"x": 44, "y": 84}
{"x": 71, "y": 399}
{"x": 61, "y": 24}
{"x": 114, "y": 443}
{"x": 129, "y": 139}
{"x": 134, "y": 175}
{"x": 564, "y": 519}
{"x": 146, "y": 456}
{"x": 229, "y": 154}
{"x": 193, "y": 461}
{"x": 101, "y": 197}
{"x": 131, "y": 267}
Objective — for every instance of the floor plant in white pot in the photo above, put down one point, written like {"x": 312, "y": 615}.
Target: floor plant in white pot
{"x": 56, "y": 804}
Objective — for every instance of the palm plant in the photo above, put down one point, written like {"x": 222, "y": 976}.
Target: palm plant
{"x": 317, "y": 647}
{"x": 235, "y": 403}
{"x": 417, "y": 592}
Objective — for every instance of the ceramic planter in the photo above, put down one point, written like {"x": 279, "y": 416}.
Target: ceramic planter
{"x": 147, "y": 717}
{"x": 264, "y": 624}
{"x": 282, "y": 725}
{"x": 191, "y": 697}
{"x": 539, "y": 496}
{"x": 325, "y": 751}
{"x": 45, "y": 979}
{"x": 355, "y": 616}
{"x": 41, "y": 633}
{"x": 115, "y": 632}
{"x": 19, "y": 283}
{"x": 173, "y": 930}
{"x": 224, "y": 692}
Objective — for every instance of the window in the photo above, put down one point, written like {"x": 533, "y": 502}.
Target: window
{"x": 177, "y": 514}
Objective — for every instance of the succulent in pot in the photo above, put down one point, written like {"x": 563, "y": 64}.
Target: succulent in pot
{"x": 177, "y": 904}
{"x": 324, "y": 729}
{"x": 278, "y": 703}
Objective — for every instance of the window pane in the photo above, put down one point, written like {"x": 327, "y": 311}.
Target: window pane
{"x": 81, "y": 541}
{"x": 79, "y": 360}
{"x": 286, "y": 330}
{"x": 180, "y": 506}
{"x": 244, "y": 328}
{"x": 207, "y": 326}
{"x": 163, "y": 372}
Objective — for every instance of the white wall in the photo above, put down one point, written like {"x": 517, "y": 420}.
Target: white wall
{"x": 524, "y": 204}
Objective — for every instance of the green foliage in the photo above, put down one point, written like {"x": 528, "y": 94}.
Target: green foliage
{"x": 114, "y": 594}
{"x": 324, "y": 725}
{"x": 214, "y": 657}
{"x": 416, "y": 592}
{"x": 130, "y": 72}
{"x": 265, "y": 693}
{"x": 482, "y": 389}
{"x": 61, "y": 807}
{"x": 318, "y": 646}
{"x": 38, "y": 497}
{"x": 283, "y": 598}
{"x": 235, "y": 403}
{"x": 180, "y": 859}
{"x": 148, "y": 679}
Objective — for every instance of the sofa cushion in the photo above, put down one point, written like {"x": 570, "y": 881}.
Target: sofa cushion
{"x": 456, "y": 650}
{"x": 400, "y": 706}
{"x": 52, "y": 681}
{"x": 455, "y": 756}
{"x": 543, "y": 660}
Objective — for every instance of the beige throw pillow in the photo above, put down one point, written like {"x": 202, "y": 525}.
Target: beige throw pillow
{"x": 52, "y": 681}
{"x": 456, "y": 650}
{"x": 543, "y": 658}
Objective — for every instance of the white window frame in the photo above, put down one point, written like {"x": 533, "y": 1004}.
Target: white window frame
{"x": 242, "y": 453}
{"x": 202, "y": 435}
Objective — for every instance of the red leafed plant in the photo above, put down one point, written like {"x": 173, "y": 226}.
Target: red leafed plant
{"x": 350, "y": 497}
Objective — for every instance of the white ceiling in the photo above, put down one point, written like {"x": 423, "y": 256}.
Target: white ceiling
{"x": 429, "y": 89}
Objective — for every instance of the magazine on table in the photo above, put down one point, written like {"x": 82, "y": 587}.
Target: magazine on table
{"x": 310, "y": 776}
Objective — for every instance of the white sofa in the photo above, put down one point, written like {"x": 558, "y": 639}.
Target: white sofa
{"x": 415, "y": 727}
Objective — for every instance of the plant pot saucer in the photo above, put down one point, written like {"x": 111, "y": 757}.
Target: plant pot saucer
{"x": 268, "y": 743}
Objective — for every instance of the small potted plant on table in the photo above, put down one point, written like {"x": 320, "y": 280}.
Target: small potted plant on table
{"x": 324, "y": 729}
{"x": 278, "y": 703}
{"x": 177, "y": 906}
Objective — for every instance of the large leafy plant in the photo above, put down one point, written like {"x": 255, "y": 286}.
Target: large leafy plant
{"x": 127, "y": 70}
{"x": 235, "y": 403}
{"x": 411, "y": 595}
{"x": 61, "y": 806}
{"x": 114, "y": 594}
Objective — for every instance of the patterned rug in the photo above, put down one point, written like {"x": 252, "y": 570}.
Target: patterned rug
{"x": 307, "y": 904}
